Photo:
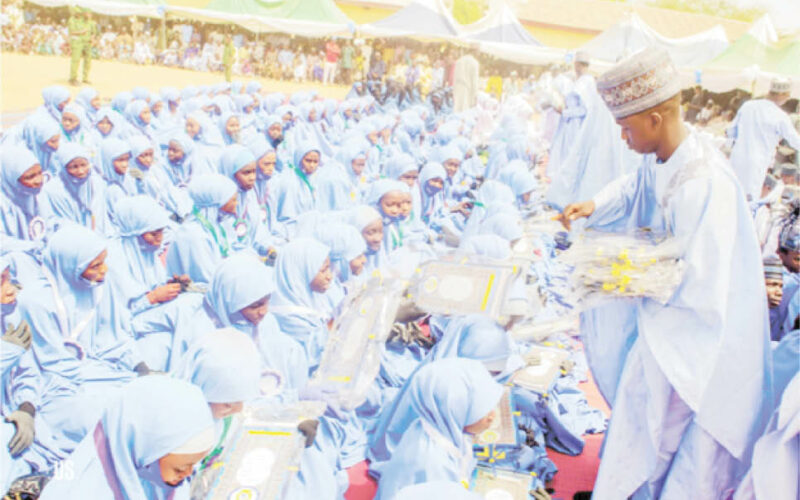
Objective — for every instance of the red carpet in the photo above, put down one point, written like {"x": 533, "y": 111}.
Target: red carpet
{"x": 574, "y": 473}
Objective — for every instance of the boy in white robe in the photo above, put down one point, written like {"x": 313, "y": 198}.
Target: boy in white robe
{"x": 694, "y": 390}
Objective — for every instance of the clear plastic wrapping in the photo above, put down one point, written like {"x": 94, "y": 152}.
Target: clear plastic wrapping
{"x": 463, "y": 285}
{"x": 544, "y": 366}
{"x": 352, "y": 356}
{"x": 609, "y": 265}
{"x": 503, "y": 431}
{"x": 538, "y": 331}
{"x": 258, "y": 462}
{"x": 501, "y": 484}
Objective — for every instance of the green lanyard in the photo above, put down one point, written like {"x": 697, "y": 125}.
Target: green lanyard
{"x": 302, "y": 175}
{"x": 223, "y": 247}
{"x": 396, "y": 243}
{"x": 209, "y": 459}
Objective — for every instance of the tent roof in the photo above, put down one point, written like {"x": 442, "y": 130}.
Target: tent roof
{"x": 323, "y": 11}
{"x": 429, "y": 18}
{"x": 743, "y": 53}
{"x": 763, "y": 30}
{"x": 145, "y": 8}
{"x": 501, "y": 25}
{"x": 632, "y": 34}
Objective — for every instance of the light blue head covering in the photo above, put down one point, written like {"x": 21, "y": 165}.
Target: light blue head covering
{"x": 492, "y": 191}
{"x": 362, "y": 216}
{"x": 298, "y": 263}
{"x": 225, "y": 364}
{"x": 42, "y": 129}
{"x": 140, "y": 93}
{"x": 134, "y": 216}
{"x": 84, "y": 99}
{"x": 518, "y": 177}
{"x": 233, "y": 158}
{"x": 112, "y": 149}
{"x": 399, "y": 164}
{"x": 120, "y": 101}
{"x": 449, "y": 152}
{"x": 132, "y": 111}
{"x": 383, "y": 186}
{"x": 489, "y": 245}
{"x": 345, "y": 242}
{"x": 15, "y": 161}
{"x": 259, "y": 146}
{"x": 477, "y": 337}
{"x": 150, "y": 417}
{"x": 53, "y": 96}
{"x": 180, "y": 172}
{"x": 77, "y": 111}
{"x": 139, "y": 144}
{"x": 239, "y": 281}
{"x": 210, "y": 192}
{"x": 430, "y": 171}
{"x": 209, "y": 134}
{"x": 504, "y": 224}
{"x": 302, "y": 149}
{"x": 223, "y": 123}
{"x": 80, "y": 189}
{"x": 67, "y": 260}
{"x": 116, "y": 119}
{"x": 253, "y": 87}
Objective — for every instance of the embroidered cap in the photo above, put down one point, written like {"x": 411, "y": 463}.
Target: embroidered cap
{"x": 773, "y": 268}
{"x": 640, "y": 82}
{"x": 780, "y": 86}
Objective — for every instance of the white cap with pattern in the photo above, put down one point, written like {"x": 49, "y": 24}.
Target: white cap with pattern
{"x": 780, "y": 86}
{"x": 639, "y": 83}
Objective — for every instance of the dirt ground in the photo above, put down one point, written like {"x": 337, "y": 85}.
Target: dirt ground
{"x": 22, "y": 78}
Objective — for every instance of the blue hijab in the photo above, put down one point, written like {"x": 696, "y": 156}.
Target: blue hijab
{"x": 297, "y": 188}
{"x": 42, "y": 130}
{"x": 224, "y": 364}
{"x": 181, "y": 172}
{"x": 259, "y": 146}
{"x": 79, "y": 133}
{"x": 53, "y": 96}
{"x": 110, "y": 151}
{"x": 120, "y": 101}
{"x": 116, "y": 119}
{"x": 439, "y": 400}
{"x": 208, "y": 135}
{"x": 223, "y": 122}
{"x": 432, "y": 201}
{"x": 518, "y": 177}
{"x": 150, "y": 418}
{"x": 504, "y": 224}
{"x": 135, "y": 216}
{"x": 132, "y": 112}
{"x": 346, "y": 244}
{"x": 233, "y": 159}
{"x": 238, "y": 282}
{"x": 301, "y": 312}
{"x": 20, "y": 204}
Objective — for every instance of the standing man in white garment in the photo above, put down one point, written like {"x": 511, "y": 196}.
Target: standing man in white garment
{"x": 757, "y": 130}
{"x": 465, "y": 86}
{"x": 693, "y": 392}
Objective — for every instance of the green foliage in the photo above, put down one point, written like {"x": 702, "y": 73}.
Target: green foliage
{"x": 468, "y": 11}
{"x": 719, "y": 8}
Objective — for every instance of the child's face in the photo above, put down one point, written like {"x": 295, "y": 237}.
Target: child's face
{"x": 192, "y": 127}
{"x": 373, "y": 235}
{"x": 246, "y": 176}
{"x": 78, "y": 168}
{"x": 145, "y": 116}
{"x": 310, "y": 162}
{"x": 232, "y": 127}
{"x": 8, "y": 292}
{"x": 641, "y": 132}
{"x": 774, "y": 292}
{"x": 97, "y": 269}
{"x": 391, "y": 204}
{"x": 256, "y": 311}
{"x": 406, "y": 205}
{"x": 451, "y": 166}
{"x": 145, "y": 159}
{"x": 790, "y": 260}
{"x": 154, "y": 238}
{"x": 275, "y": 131}
{"x": 267, "y": 164}
{"x": 105, "y": 126}
{"x": 482, "y": 424}
{"x": 32, "y": 178}
{"x": 174, "y": 152}
{"x": 70, "y": 121}
{"x": 323, "y": 278}
{"x": 358, "y": 165}
{"x": 175, "y": 468}
{"x": 121, "y": 163}
{"x": 410, "y": 178}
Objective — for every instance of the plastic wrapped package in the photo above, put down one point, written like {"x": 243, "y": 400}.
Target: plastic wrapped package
{"x": 496, "y": 484}
{"x": 258, "y": 462}
{"x": 503, "y": 431}
{"x": 609, "y": 265}
{"x": 542, "y": 370}
{"x": 463, "y": 285}
{"x": 538, "y": 331}
{"x": 352, "y": 356}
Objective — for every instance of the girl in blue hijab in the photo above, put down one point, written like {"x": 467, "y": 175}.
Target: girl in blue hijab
{"x": 21, "y": 181}
{"x": 151, "y": 179}
{"x": 116, "y": 156}
{"x": 181, "y": 162}
{"x": 55, "y": 98}
{"x": 75, "y": 126}
{"x": 451, "y": 400}
{"x": 144, "y": 446}
{"x": 89, "y": 100}
{"x": 521, "y": 180}
{"x": 207, "y": 141}
{"x": 431, "y": 185}
{"x": 239, "y": 164}
{"x": 107, "y": 124}
{"x": 266, "y": 165}
{"x": 303, "y": 273}
{"x": 369, "y": 223}
{"x": 353, "y": 157}
{"x": 297, "y": 184}
{"x": 137, "y": 113}
{"x": 76, "y": 195}
{"x": 387, "y": 197}
{"x": 201, "y": 242}
{"x": 230, "y": 127}
{"x": 44, "y": 139}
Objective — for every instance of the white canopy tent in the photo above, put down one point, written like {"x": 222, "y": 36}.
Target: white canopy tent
{"x": 424, "y": 18}
{"x": 632, "y": 34}
{"x": 500, "y": 25}
{"x": 764, "y": 31}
